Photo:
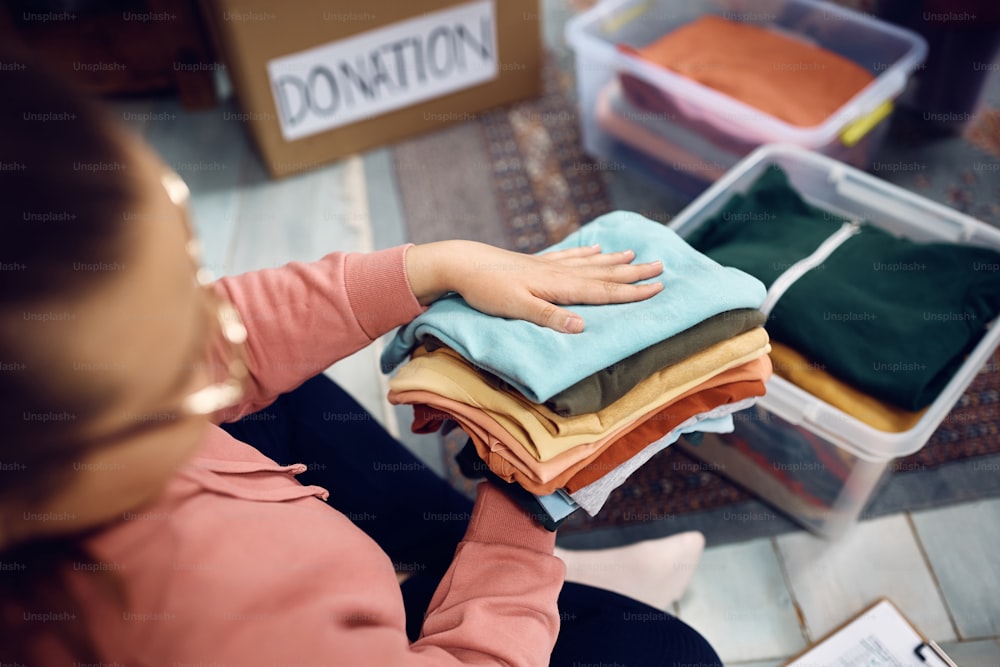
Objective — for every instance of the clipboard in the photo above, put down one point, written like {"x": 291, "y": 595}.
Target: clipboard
{"x": 879, "y": 636}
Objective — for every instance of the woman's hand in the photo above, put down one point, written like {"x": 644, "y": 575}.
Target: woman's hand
{"x": 528, "y": 287}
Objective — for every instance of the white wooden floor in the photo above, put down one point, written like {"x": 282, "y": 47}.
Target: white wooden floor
{"x": 758, "y": 602}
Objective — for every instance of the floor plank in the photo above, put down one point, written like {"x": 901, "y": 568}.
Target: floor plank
{"x": 979, "y": 653}
{"x": 302, "y": 218}
{"x": 833, "y": 580}
{"x": 279, "y": 221}
{"x": 739, "y": 601}
{"x": 389, "y": 229}
{"x": 962, "y": 543}
{"x": 384, "y": 204}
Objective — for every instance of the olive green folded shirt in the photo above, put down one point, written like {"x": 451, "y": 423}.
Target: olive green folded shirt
{"x": 603, "y": 388}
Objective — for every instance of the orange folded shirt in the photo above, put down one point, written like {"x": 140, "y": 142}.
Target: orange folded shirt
{"x": 497, "y": 447}
{"x": 800, "y": 83}
{"x": 651, "y": 430}
{"x": 618, "y": 449}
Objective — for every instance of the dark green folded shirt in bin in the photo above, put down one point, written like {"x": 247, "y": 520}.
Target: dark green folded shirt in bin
{"x": 893, "y": 317}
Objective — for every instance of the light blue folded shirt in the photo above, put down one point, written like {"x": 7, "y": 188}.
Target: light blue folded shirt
{"x": 558, "y": 505}
{"x": 540, "y": 362}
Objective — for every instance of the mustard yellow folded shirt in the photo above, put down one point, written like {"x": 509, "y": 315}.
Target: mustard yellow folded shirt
{"x": 800, "y": 371}
{"x": 546, "y": 434}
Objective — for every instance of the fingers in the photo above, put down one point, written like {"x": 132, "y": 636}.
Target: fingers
{"x": 599, "y": 259}
{"x": 588, "y": 256}
{"x": 593, "y": 292}
{"x": 592, "y": 262}
{"x": 545, "y": 284}
{"x": 620, "y": 273}
{"x": 559, "y": 319}
{"x": 605, "y": 292}
{"x": 570, "y": 253}
{"x": 622, "y": 293}
{"x": 599, "y": 284}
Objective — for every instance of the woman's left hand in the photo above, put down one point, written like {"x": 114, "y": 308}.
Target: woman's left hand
{"x": 529, "y": 287}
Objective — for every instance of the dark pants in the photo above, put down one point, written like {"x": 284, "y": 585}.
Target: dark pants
{"x": 418, "y": 519}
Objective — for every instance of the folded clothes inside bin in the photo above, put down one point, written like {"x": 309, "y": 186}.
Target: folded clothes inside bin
{"x": 777, "y": 74}
{"x": 892, "y": 317}
{"x": 801, "y": 462}
{"x": 685, "y": 126}
{"x": 705, "y": 156}
{"x": 798, "y": 219}
{"x": 812, "y": 376}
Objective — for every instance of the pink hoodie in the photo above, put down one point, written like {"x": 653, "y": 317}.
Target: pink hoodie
{"x": 239, "y": 564}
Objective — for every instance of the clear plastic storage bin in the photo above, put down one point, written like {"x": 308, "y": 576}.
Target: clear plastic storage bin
{"x": 690, "y": 150}
{"x": 788, "y": 416}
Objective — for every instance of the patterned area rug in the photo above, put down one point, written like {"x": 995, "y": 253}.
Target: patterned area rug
{"x": 518, "y": 177}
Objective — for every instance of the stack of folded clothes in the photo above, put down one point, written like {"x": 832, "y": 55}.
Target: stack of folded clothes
{"x": 568, "y": 417}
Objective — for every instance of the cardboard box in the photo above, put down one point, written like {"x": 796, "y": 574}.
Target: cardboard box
{"x": 317, "y": 80}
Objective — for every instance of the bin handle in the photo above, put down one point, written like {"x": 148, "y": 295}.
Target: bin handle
{"x": 612, "y": 24}
{"x": 854, "y": 131}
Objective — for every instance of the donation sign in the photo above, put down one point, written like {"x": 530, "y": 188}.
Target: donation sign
{"x": 384, "y": 69}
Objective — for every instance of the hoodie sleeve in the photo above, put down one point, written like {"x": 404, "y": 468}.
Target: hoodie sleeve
{"x": 303, "y": 317}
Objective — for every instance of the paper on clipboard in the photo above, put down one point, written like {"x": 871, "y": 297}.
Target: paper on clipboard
{"x": 880, "y": 636}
